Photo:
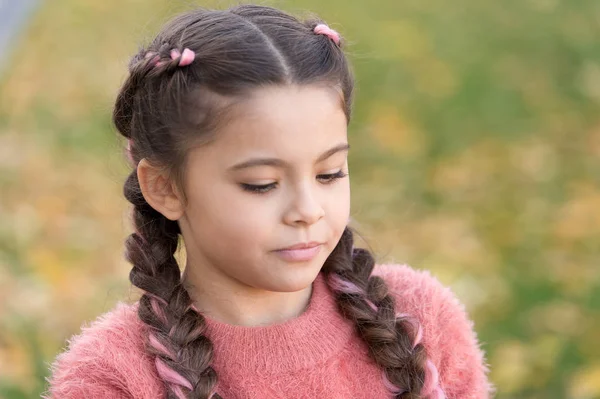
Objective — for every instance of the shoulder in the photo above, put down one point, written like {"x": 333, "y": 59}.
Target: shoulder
{"x": 448, "y": 333}
{"x": 418, "y": 290}
{"x": 105, "y": 360}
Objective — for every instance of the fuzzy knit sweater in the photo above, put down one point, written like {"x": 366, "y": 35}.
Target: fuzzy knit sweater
{"x": 315, "y": 355}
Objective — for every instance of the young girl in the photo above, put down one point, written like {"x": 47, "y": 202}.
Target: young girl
{"x": 237, "y": 128}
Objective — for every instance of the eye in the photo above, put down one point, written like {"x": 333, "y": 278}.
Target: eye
{"x": 330, "y": 178}
{"x": 264, "y": 188}
{"x": 253, "y": 188}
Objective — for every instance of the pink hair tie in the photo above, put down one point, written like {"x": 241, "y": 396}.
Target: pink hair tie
{"x": 322, "y": 29}
{"x": 185, "y": 58}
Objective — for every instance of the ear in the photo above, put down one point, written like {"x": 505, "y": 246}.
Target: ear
{"x": 159, "y": 191}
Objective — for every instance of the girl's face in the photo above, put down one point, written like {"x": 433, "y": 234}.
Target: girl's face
{"x": 274, "y": 177}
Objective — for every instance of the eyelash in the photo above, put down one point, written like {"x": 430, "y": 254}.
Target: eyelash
{"x": 261, "y": 189}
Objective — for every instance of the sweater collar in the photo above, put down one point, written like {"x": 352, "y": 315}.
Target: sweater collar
{"x": 315, "y": 335}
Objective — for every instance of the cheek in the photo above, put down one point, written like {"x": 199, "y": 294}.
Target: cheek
{"x": 338, "y": 207}
{"x": 223, "y": 215}
{"x": 242, "y": 217}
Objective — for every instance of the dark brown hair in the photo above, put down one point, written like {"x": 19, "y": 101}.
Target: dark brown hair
{"x": 164, "y": 110}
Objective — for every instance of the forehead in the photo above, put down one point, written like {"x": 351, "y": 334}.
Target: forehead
{"x": 291, "y": 122}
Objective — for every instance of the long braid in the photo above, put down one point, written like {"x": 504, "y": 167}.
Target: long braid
{"x": 394, "y": 340}
{"x": 175, "y": 330}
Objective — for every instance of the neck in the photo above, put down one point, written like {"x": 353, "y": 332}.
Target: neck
{"x": 224, "y": 299}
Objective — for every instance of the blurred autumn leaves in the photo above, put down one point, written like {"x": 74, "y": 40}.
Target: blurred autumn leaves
{"x": 475, "y": 154}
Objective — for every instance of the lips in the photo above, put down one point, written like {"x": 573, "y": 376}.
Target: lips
{"x": 303, "y": 245}
{"x": 302, "y": 252}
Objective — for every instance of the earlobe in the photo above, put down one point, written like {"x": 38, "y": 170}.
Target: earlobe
{"x": 158, "y": 190}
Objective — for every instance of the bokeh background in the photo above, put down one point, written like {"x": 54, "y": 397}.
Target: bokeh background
{"x": 476, "y": 147}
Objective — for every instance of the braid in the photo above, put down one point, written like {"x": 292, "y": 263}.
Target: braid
{"x": 124, "y": 104}
{"x": 147, "y": 64}
{"x": 394, "y": 340}
{"x": 175, "y": 330}
{"x": 182, "y": 353}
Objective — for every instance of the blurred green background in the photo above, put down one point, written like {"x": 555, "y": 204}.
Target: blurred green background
{"x": 476, "y": 146}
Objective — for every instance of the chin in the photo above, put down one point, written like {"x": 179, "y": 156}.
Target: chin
{"x": 293, "y": 280}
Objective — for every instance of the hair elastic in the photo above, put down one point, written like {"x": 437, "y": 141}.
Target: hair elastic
{"x": 185, "y": 58}
{"x": 322, "y": 29}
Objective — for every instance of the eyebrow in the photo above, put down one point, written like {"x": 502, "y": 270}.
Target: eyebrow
{"x": 281, "y": 163}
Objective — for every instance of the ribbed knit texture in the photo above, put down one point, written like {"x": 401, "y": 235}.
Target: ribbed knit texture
{"x": 316, "y": 355}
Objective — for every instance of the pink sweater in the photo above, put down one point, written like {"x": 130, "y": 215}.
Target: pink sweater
{"x": 316, "y": 355}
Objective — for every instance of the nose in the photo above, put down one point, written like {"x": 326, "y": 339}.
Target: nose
{"x": 304, "y": 207}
